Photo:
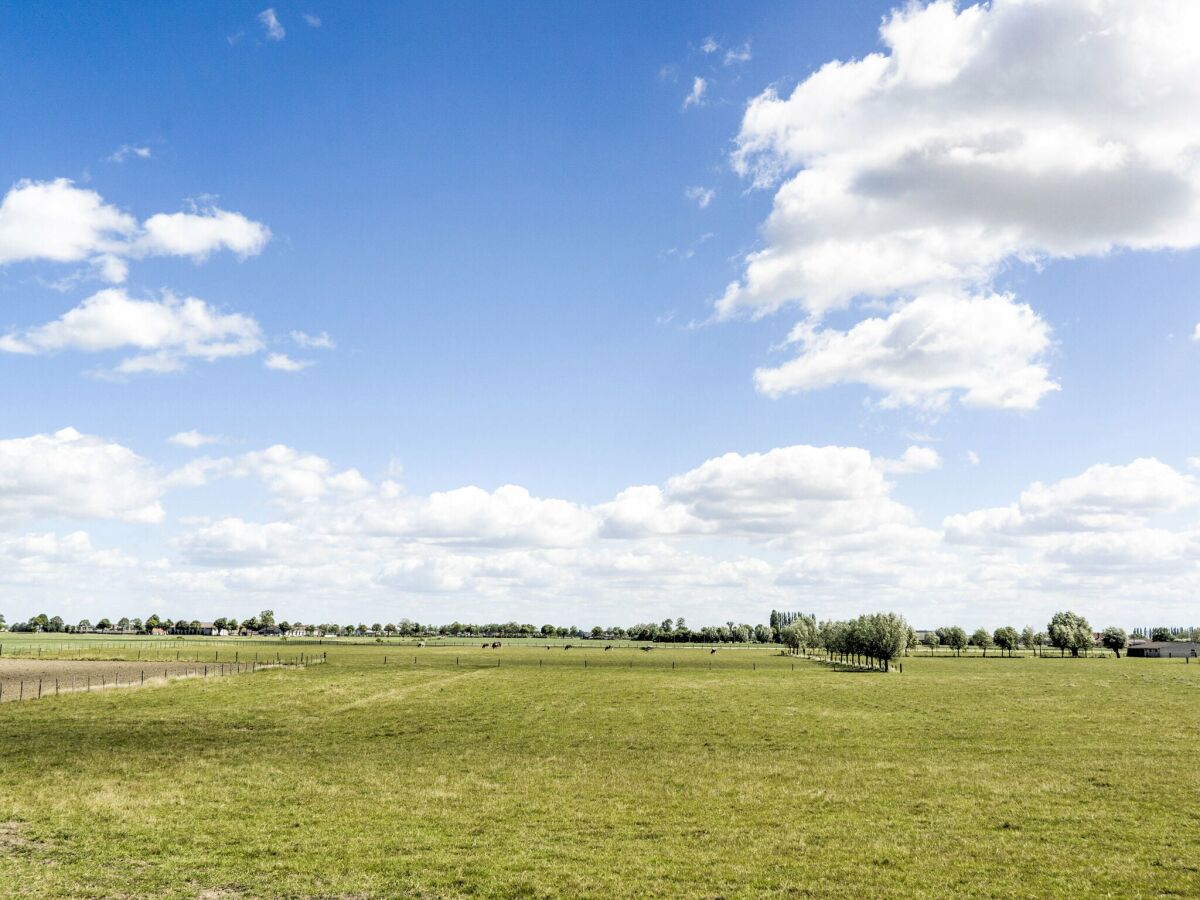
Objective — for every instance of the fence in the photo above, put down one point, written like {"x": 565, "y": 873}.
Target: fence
{"x": 35, "y": 688}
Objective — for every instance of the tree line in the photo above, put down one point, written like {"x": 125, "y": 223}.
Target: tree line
{"x": 884, "y": 636}
{"x": 881, "y": 636}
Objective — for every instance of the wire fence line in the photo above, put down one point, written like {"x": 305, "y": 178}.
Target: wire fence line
{"x": 22, "y": 688}
{"x": 87, "y": 651}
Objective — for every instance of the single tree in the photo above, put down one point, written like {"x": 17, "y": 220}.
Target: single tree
{"x": 954, "y": 638}
{"x": 1161, "y": 634}
{"x": 1028, "y": 638}
{"x": 1006, "y": 638}
{"x": 931, "y": 640}
{"x": 982, "y": 639}
{"x": 1070, "y": 631}
{"x": 1115, "y": 639}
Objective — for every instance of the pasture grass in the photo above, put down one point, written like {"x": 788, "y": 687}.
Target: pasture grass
{"x": 538, "y": 777}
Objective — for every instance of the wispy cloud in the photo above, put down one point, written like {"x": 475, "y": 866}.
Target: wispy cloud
{"x": 125, "y": 151}
{"x": 311, "y": 20}
{"x": 696, "y": 97}
{"x": 735, "y": 55}
{"x": 193, "y": 439}
{"x": 701, "y": 195}
{"x": 271, "y": 25}
{"x": 709, "y": 45}
{"x": 320, "y": 341}
{"x": 281, "y": 362}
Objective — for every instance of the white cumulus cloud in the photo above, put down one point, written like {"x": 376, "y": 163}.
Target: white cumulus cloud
{"x": 68, "y": 475}
{"x": 168, "y": 332}
{"x": 56, "y": 221}
{"x": 1009, "y": 132}
{"x": 990, "y": 350}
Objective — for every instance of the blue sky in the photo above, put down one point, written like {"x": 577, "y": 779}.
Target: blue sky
{"x": 499, "y": 216}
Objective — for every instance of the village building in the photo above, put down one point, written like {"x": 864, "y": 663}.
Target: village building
{"x": 1164, "y": 649}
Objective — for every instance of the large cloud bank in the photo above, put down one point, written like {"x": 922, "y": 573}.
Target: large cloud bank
{"x": 1014, "y": 132}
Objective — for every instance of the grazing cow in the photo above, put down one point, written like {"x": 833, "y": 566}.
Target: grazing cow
{"x": 421, "y": 644}
{"x": 485, "y": 646}
{"x": 609, "y": 647}
{"x": 495, "y": 645}
{"x": 712, "y": 651}
{"x": 568, "y": 647}
{"x": 647, "y": 649}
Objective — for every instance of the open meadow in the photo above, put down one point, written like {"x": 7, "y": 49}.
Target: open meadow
{"x": 522, "y": 771}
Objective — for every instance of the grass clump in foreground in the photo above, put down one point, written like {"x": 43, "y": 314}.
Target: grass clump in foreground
{"x": 544, "y": 778}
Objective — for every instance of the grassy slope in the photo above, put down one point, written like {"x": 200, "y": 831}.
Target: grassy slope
{"x": 999, "y": 777}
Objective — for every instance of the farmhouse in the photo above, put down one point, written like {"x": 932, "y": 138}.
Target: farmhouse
{"x": 1164, "y": 649}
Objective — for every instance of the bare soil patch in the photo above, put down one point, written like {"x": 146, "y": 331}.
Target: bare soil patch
{"x": 20, "y": 678}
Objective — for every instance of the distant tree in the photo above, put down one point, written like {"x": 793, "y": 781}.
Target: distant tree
{"x": 123, "y": 623}
{"x": 1161, "y": 634}
{"x": 931, "y": 640}
{"x": 3, "y": 623}
{"x": 763, "y": 634}
{"x": 776, "y": 623}
{"x": 266, "y": 618}
{"x": 982, "y": 639}
{"x": 800, "y": 634}
{"x": 882, "y": 635}
{"x": 84, "y": 625}
{"x": 954, "y": 638}
{"x": 1028, "y": 638}
{"x": 1070, "y": 631}
{"x": 56, "y": 624}
{"x": 597, "y": 632}
{"x": 376, "y": 628}
{"x": 285, "y": 626}
{"x": 137, "y": 624}
{"x": 153, "y": 621}
{"x": 1006, "y": 638}
{"x": 1115, "y": 639}
{"x": 104, "y": 625}
{"x": 389, "y": 629}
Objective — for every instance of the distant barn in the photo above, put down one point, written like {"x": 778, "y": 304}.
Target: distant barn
{"x": 1164, "y": 649}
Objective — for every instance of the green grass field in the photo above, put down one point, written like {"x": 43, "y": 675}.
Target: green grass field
{"x": 539, "y": 777}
